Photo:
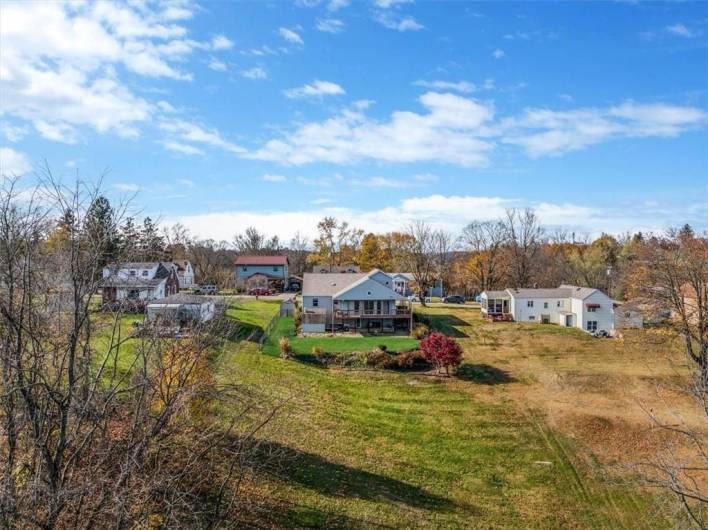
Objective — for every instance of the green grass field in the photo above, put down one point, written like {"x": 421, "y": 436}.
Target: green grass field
{"x": 382, "y": 449}
{"x": 285, "y": 327}
{"x": 376, "y": 449}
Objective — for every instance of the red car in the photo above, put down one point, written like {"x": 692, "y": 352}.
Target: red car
{"x": 260, "y": 291}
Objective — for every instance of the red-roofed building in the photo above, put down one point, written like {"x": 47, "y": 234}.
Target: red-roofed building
{"x": 273, "y": 268}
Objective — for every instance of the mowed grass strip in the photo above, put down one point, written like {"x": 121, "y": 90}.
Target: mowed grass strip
{"x": 285, "y": 327}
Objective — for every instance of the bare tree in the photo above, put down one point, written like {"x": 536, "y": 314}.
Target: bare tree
{"x": 484, "y": 240}
{"x": 674, "y": 273}
{"x": 252, "y": 242}
{"x": 524, "y": 237}
{"x": 443, "y": 244}
{"x": 297, "y": 253}
{"x": 94, "y": 432}
{"x": 419, "y": 255}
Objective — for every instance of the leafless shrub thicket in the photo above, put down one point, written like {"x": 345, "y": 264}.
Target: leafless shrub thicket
{"x": 100, "y": 428}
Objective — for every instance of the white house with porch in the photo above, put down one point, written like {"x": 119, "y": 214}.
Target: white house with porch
{"x": 356, "y": 302}
{"x": 569, "y": 305}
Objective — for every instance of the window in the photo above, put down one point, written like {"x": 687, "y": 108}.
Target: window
{"x": 532, "y": 317}
{"x": 529, "y": 303}
{"x": 145, "y": 273}
{"x": 559, "y": 303}
{"x": 132, "y": 273}
{"x": 275, "y": 269}
{"x": 244, "y": 268}
{"x": 368, "y": 292}
{"x": 591, "y": 325}
{"x": 545, "y": 305}
{"x": 627, "y": 314}
{"x": 133, "y": 294}
{"x": 356, "y": 305}
{"x": 592, "y": 309}
{"x": 315, "y": 302}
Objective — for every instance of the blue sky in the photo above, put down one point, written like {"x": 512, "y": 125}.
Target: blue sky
{"x": 228, "y": 114}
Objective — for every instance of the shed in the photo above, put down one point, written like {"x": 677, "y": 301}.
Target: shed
{"x": 181, "y": 310}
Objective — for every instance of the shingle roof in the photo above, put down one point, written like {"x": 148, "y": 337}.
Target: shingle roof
{"x": 262, "y": 260}
{"x": 579, "y": 292}
{"x": 496, "y": 294}
{"x": 132, "y": 282}
{"x": 180, "y": 298}
{"x": 133, "y": 265}
{"x": 329, "y": 283}
{"x": 540, "y": 293}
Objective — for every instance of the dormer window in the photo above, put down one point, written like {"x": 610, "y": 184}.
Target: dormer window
{"x": 132, "y": 272}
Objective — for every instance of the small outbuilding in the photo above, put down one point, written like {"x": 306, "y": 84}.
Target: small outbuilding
{"x": 181, "y": 310}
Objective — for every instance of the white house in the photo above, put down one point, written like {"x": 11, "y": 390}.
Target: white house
{"x": 363, "y": 302}
{"x": 138, "y": 281}
{"x": 185, "y": 273}
{"x": 568, "y": 305}
{"x": 181, "y": 310}
{"x": 402, "y": 282}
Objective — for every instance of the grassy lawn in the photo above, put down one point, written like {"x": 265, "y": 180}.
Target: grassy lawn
{"x": 513, "y": 441}
{"x": 253, "y": 315}
{"x": 366, "y": 449}
{"x": 285, "y": 327}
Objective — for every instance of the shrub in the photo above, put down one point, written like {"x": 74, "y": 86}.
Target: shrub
{"x": 411, "y": 360}
{"x": 382, "y": 347}
{"x": 378, "y": 357}
{"x": 420, "y": 331}
{"x": 442, "y": 351}
{"x": 285, "y": 348}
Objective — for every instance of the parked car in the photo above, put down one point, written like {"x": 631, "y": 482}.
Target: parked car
{"x": 454, "y": 299}
{"x": 601, "y": 334}
{"x": 414, "y": 298}
{"x": 260, "y": 291}
{"x": 208, "y": 289}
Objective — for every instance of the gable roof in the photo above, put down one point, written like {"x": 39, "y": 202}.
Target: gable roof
{"x": 133, "y": 265}
{"x": 377, "y": 291}
{"x": 328, "y": 283}
{"x": 579, "y": 292}
{"x": 540, "y": 293}
{"x": 262, "y": 260}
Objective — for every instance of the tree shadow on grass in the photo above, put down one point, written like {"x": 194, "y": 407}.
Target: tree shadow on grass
{"x": 448, "y": 325}
{"x": 484, "y": 374}
{"x": 329, "y": 478}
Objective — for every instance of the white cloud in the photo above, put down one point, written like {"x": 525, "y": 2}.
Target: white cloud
{"x": 681, "y": 30}
{"x": 254, "y": 73}
{"x": 13, "y": 163}
{"x": 498, "y": 53}
{"x": 386, "y": 4}
{"x": 316, "y": 89}
{"x": 127, "y": 187}
{"x": 269, "y": 177}
{"x": 58, "y": 132}
{"x": 187, "y": 182}
{"x": 460, "y": 86}
{"x": 13, "y": 133}
{"x": 395, "y": 21}
{"x": 380, "y": 182}
{"x": 60, "y": 62}
{"x": 450, "y": 131}
{"x": 290, "y": 36}
{"x": 178, "y": 147}
{"x": 221, "y": 42}
{"x": 336, "y": 5}
{"x": 191, "y": 132}
{"x": 546, "y": 132}
{"x": 217, "y": 65}
{"x": 448, "y": 212}
{"x": 330, "y": 25}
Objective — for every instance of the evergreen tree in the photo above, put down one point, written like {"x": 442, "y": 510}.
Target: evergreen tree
{"x": 129, "y": 240}
{"x": 100, "y": 229}
{"x": 152, "y": 244}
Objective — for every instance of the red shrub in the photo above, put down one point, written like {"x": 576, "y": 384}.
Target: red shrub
{"x": 442, "y": 351}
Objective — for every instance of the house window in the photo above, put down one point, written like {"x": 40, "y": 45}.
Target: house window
{"x": 145, "y": 273}
{"x": 532, "y": 317}
{"x": 356, "y": 305}
{"x": 591, "y": 325}
{"x": 133, "y": 294}
{"x": 368, "y": 292}
{"x": 275, "y": 269}
{"x": 132, "y": 273}
{"x": 244, "y": 268}
{"x": 592, "y": 309}
{"x": 529, "y": 303}
{"x": 559, "y": 303}
{"x": 545, "y": 305}
{"x": 315, "y": 302}
{"x": 627, "y": 314}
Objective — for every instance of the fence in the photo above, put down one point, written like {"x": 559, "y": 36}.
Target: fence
{"x": 268, "y": 330}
